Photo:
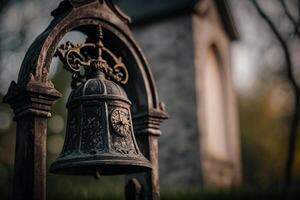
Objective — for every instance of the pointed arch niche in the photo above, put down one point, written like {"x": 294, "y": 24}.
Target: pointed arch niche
{"x": 214, "y": 119}
{"x": 214, "y": 100}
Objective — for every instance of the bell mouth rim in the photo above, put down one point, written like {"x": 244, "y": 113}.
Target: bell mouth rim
{"x": 104, "y": 167}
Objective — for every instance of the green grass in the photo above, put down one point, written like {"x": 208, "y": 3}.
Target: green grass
{"x": 73, "y": 188}
{"x": 194, "y": 194}
{"x": 186, "y": 194}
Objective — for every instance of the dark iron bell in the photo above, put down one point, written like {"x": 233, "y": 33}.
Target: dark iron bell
{"x": 99, "y": 137}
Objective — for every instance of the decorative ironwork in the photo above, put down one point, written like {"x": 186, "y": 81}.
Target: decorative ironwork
{"x": 75, "y": 57}
{"x": 34, "y": 86}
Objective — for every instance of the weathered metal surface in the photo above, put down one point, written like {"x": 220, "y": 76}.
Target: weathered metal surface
{"x": 147, "y": 130}
{"x": 31, "y": 105}
{"x": 32, "y": 96}
{"x": 100, "y": 137}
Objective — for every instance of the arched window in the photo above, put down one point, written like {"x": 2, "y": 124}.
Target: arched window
{"x": 214, "y": 107}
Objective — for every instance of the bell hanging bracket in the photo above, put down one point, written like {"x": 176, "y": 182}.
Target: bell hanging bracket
{"x": 76, "y": 57}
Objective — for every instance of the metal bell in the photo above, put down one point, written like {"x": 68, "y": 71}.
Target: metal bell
{"x": 99, "y": 137}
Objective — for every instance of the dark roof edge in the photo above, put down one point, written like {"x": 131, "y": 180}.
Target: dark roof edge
{"x": 175, "y": 12}
{"x": 223, "y": 7}
{"x": 227, "y": 18}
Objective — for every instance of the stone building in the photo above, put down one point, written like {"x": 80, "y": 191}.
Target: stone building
{"x": 187, "y": 44}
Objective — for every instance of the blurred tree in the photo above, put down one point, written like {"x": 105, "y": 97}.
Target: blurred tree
{"x": 288, "y": 74}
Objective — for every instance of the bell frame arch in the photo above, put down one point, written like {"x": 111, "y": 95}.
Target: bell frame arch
{"x": 33, "y": 94}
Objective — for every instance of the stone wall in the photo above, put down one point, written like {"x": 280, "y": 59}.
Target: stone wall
{"x": 168, "y": 46}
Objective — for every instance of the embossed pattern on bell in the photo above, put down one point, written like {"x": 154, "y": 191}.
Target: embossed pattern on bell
{"x": 121, "y": 138}
{"x": 72, "y": 140}
{"x": 93, "y": 131}
{"x": 93, "y": 87}
{"x": 120, "y": 120}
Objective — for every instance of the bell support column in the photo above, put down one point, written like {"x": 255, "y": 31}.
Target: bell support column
{"x": 146, "y": 186}
{"x": 31, "y": 104}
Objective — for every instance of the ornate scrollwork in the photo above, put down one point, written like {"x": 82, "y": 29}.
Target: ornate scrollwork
{"x": 90, "y": 57}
